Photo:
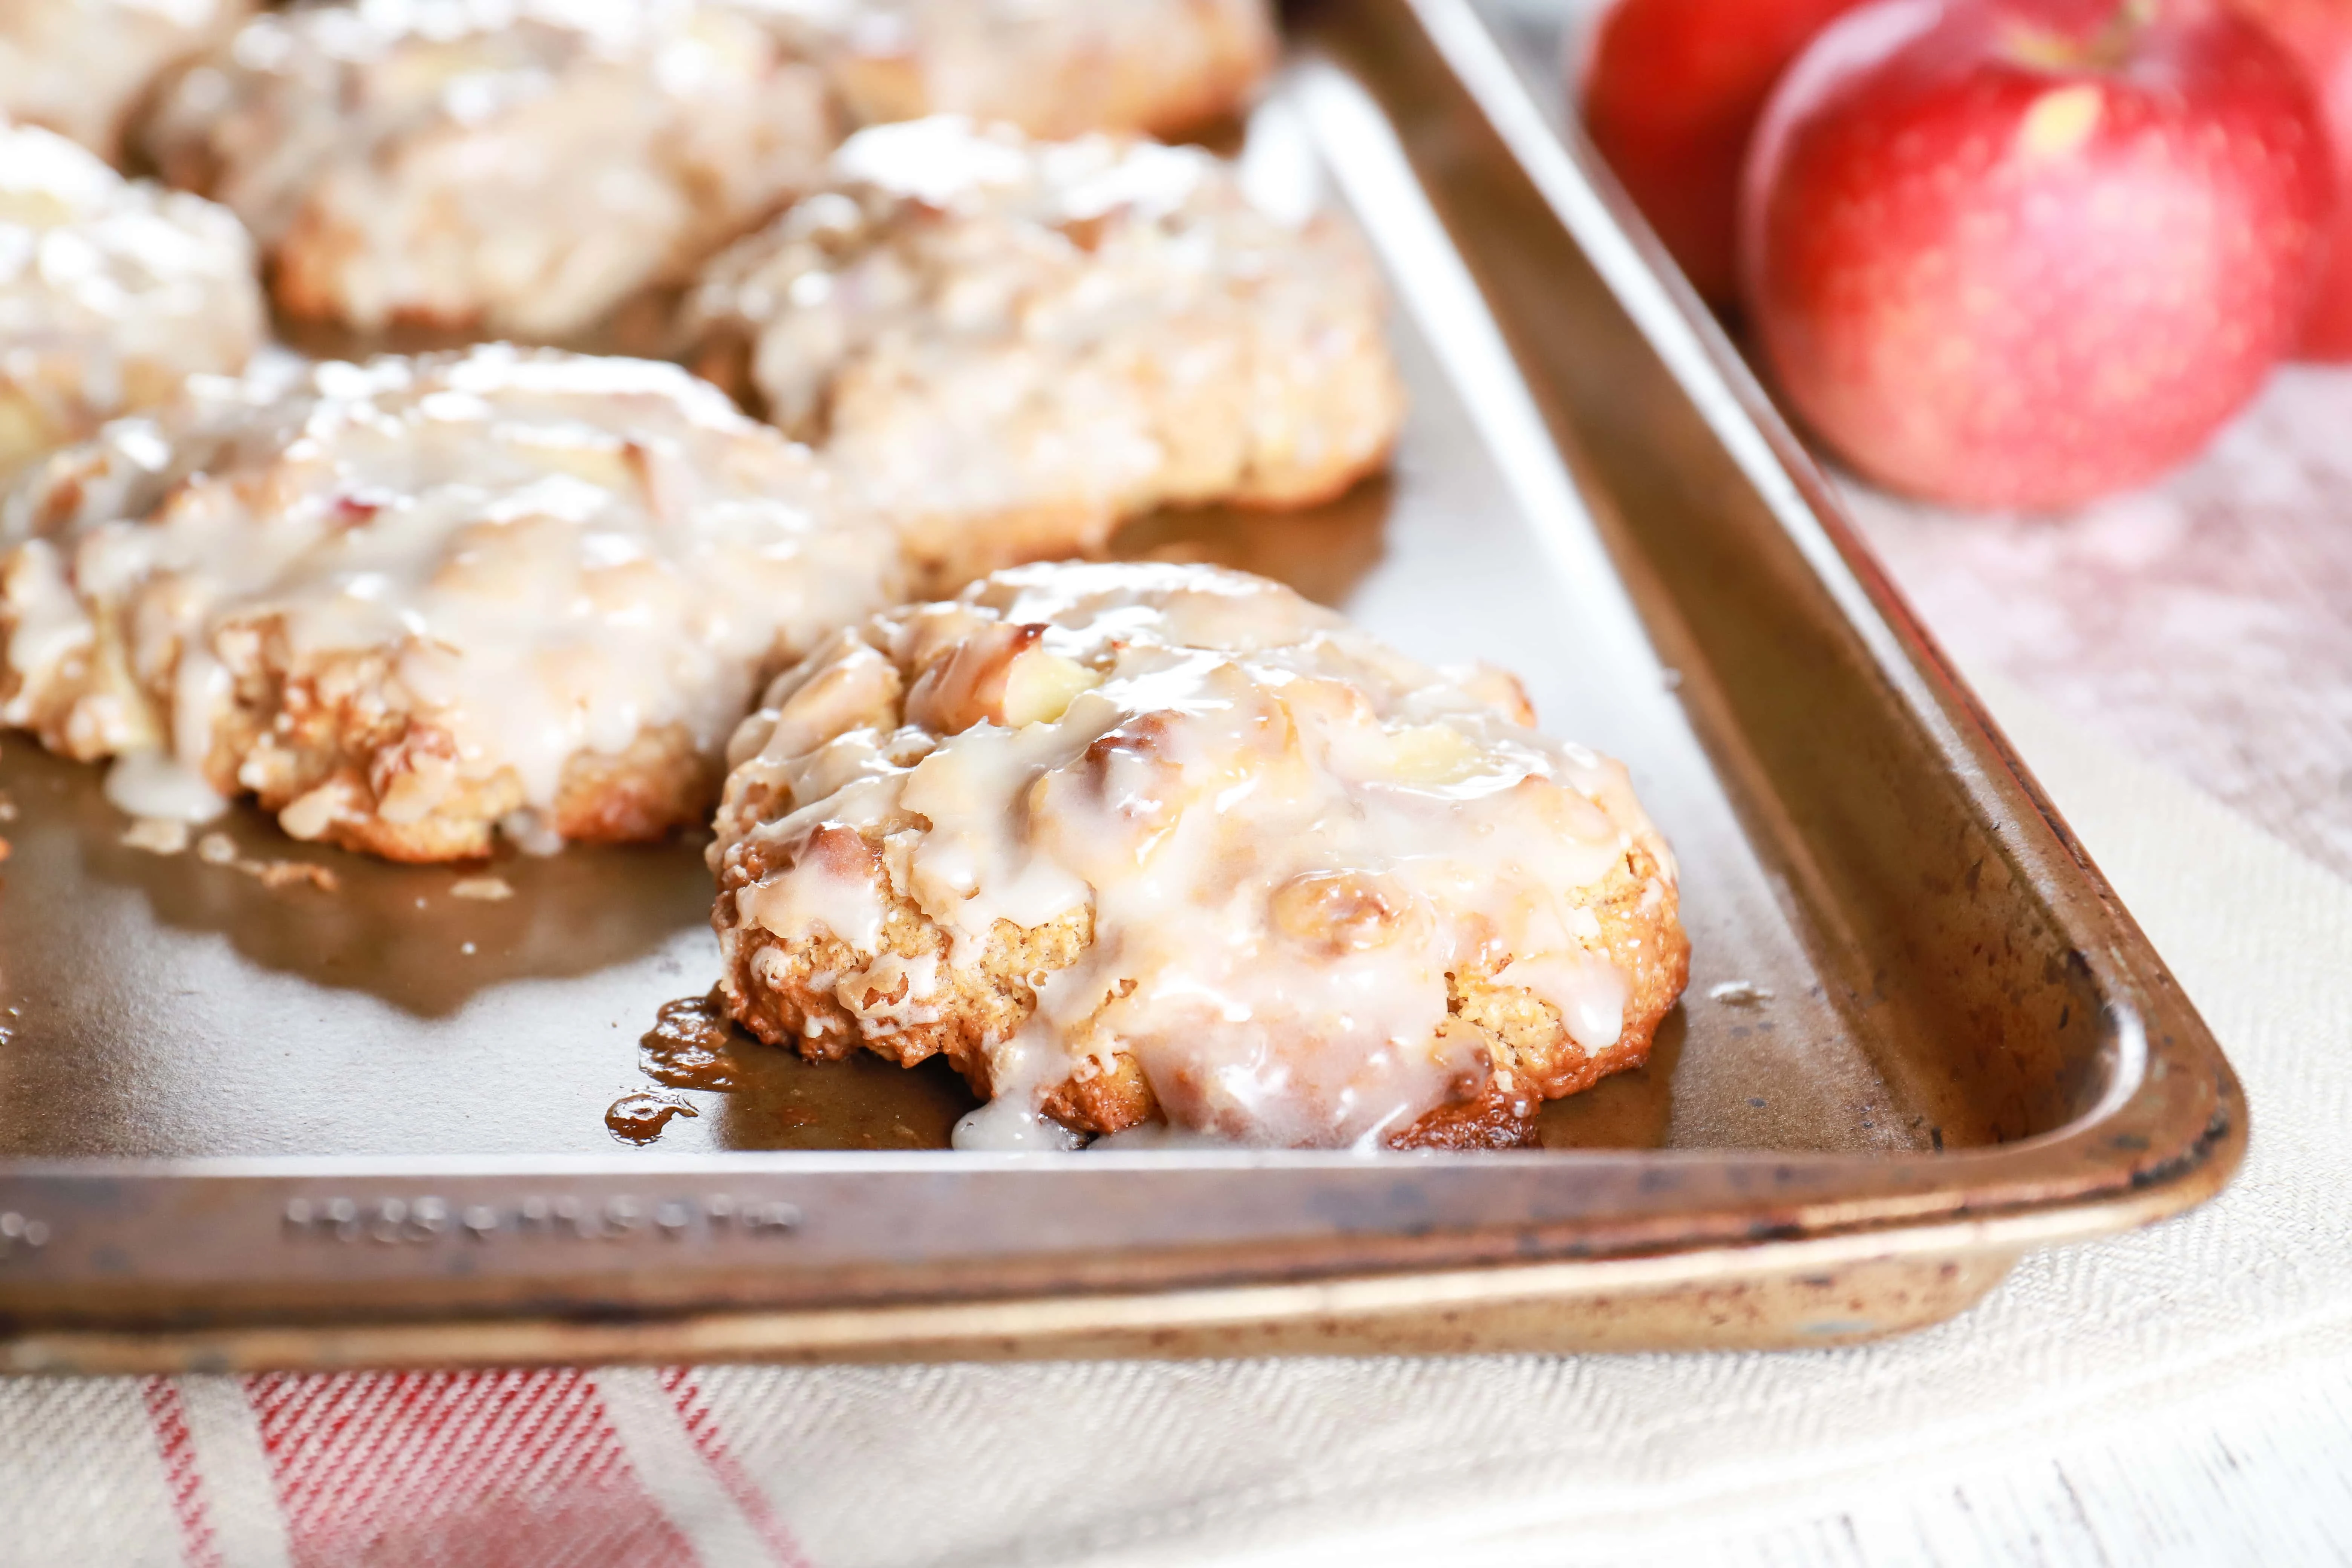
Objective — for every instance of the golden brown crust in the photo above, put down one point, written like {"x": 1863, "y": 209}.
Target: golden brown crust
{"x": 640, "y": 325}
{"x": 322, "y": 729}
{"x": 799, "y": 995}
{"x": 325, "y": 733}
{"x": 1534, "y": 1058}
{"x": 1182, "y": 65}
{"x": 304, "y": 270}
{"x": 791, "y": 993}
{"x": 945, "y": 552}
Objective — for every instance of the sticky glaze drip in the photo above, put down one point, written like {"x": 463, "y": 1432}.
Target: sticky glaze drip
{"x": 1292, "y": 843}
{"x": 154, "y": 784}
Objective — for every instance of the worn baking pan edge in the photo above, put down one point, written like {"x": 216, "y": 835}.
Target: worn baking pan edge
{"x": 1144, "y": 1244}
{"x": 1824, "y": 1292}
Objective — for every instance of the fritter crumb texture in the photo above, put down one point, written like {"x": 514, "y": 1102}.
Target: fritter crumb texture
{"x": 409, "y": 602}
{"x": 1139, "y": 845}
{"x": 1012, "y": 345}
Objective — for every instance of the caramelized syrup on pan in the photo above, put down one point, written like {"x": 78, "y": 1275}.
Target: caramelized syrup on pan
{"x": 639, "y": 1118}
{"x": 686, "y": 1049}
{"x": 775, "y": 1100}
{"x": 687, "y": 1046}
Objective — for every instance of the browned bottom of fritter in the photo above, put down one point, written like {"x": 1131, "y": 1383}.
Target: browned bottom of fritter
{"x": 947, "y": 551}
{"x": 790, "y": 994}
{"x": 660, "y": 783}
{"x": 1166, "y": 94}
{"x": 642, "y": 326}
{"x": 324, "y": 747}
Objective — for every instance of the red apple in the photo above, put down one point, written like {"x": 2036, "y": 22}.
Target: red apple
{"x": 2022, "y": 253}
{"x": 2318, "y": 33}
{"x": 1671, "y": 93}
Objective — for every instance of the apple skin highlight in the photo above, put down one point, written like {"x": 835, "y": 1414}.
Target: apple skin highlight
{"x": 2025, "y": 253}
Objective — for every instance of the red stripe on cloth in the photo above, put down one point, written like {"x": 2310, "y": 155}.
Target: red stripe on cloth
{"x": 457, "y": 1470}
{"x": 702, "y": 1425}
{"x": 182, "y": 1475}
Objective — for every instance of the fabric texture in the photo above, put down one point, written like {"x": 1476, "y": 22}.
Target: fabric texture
{"x": 2219, "y": 1336}
{"x": 2201, "y": 620}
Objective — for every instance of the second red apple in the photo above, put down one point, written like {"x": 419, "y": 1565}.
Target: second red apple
{"x": 2318, "y": 33}
{"x": 1671, "y": 91}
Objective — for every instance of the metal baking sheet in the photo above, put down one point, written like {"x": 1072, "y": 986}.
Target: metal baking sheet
{"x": 248, "y": 1118}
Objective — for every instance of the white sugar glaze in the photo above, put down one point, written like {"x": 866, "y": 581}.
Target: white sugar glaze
{"x": 1287, "y": 834}
{"x": 112, "y": 291}
{"x": 980, "y": 328}
{"x": 552, "y": 554}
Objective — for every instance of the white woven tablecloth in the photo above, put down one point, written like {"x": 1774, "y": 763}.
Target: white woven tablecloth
{"x": 2183, "y": 1394}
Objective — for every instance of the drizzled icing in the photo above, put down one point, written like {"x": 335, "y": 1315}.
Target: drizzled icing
{"x": 553, "y": 554}
{"x": 1287, "y": 836}
{"x": 518, "y": 166}
{"x": 80, "y": 65}
{"x": 980, "y": 326}
{"x": 111, "y": 293}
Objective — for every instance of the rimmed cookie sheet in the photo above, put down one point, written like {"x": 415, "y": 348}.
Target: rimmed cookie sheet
{"x": 245, "y": 1120}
